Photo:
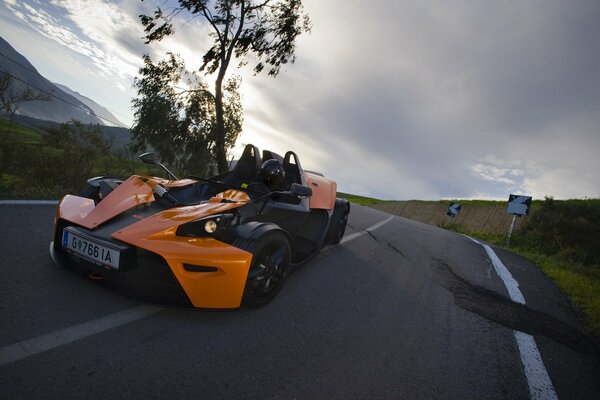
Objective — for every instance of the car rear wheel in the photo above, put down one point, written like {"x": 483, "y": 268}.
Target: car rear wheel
{"x": 339, "y": 221}
{"x": 268, "y": 271}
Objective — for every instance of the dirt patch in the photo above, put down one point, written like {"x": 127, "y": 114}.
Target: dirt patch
{"x": 497, "y": 308}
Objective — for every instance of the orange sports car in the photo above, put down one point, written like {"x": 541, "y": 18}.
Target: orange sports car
{"x": 206, "y": 243}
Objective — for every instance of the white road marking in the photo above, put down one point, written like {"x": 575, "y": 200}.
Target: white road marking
{"x": 540, "y": 385}
{"x": 40, "y": 344}
{"x": 511, "y": 284}
{"x": 363, "y": 232}
{"x": 28, "y": 202}
{"x": 379, "y": 224}
{"x": 352, "y": 236}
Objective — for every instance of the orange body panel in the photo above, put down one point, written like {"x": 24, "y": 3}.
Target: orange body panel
{"x": 180, "y": 183}
{"x": 222, "y": 289}
{"x": 173, "y": 184}
{"x": 74, "y": 208}
{"x": 233, "y": 195}
{"x": 81, "y": 211}
{"x": 324, "y": 191}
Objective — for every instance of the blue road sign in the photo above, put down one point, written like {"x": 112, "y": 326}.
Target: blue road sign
{"x": 518, "y": 205}
{"x": 453, "y": 210}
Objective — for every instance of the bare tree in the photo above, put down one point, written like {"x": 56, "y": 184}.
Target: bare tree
{"x": 13, "y": 94}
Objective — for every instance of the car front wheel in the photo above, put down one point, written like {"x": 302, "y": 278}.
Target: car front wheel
{"x": 268, "y": 271}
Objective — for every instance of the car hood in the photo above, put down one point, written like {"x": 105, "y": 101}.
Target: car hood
{"x": 136, "y": 191}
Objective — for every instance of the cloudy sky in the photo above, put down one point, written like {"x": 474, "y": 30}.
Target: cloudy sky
{"x": 393, "y": 99}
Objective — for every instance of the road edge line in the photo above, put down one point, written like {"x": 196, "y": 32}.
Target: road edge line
{"x": 538, "y": 380}
{"x": 365, "y": 231}
{"x": 28, "y": 202}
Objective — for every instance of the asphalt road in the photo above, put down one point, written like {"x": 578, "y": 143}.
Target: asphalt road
{"x": 406, "y": 310}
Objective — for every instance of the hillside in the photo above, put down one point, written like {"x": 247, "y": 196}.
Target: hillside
{"x": 107, "y": 117}
{"x": 119, "y": 137}
{"x": 63, "y": 107}
{"x": 477, "y": 216}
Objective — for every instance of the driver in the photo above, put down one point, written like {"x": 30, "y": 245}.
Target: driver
{"x": 270, "y": 176}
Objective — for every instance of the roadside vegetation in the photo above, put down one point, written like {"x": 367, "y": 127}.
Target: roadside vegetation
{"x": 363, "y": 201}
{"x": 561, "y": 237}
{"x": 579, "y": 281}
{"x": 47, "y": 164}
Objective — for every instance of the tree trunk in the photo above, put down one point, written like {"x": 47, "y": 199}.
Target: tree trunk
{"x": 220, "y": 150}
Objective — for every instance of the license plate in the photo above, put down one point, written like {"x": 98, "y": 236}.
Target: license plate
{"x": 90, "y": 249}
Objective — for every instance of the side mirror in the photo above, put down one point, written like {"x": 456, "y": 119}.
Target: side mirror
{"x": 147, "y": 158}
{"x": 301, "y": 190}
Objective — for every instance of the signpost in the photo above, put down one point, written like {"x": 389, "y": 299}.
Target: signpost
{"x": 453, "y": 211}
{"x": 517, "y": 206}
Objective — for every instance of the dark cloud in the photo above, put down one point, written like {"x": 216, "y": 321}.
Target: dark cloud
{"x": 418, "y": 99}
{"x": 441, "y": 94}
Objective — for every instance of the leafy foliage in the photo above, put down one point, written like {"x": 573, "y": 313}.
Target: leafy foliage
{"x": 265, "y": 29}
{"x": 569, "y": 230}
{"x": 178, "y": 123}
{"x": 58, "y": 162}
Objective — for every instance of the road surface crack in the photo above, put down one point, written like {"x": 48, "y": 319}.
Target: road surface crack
{"x": 497, "y": 308}
{"x": 386, "y": 243}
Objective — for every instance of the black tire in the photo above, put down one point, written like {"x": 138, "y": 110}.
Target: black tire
{"x": 270, "y": 264}
{"x": 339, "y": 221}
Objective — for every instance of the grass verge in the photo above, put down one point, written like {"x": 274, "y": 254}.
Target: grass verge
{"x": 22, "y": 132}
{"x": 581, "y": 284}
{"x": 361, "y": 200}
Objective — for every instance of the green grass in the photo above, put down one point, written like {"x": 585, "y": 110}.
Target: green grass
{"x": 492, "y": 238}
{"x": 484, "y": 203}
{"x": 22, "y": 132}
{"x": 361, "y": 200}
{"x": 580, "y": 283}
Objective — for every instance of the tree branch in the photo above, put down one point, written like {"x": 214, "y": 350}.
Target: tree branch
{"x": 243, "y": 12}
{"x": 210, "y": 19}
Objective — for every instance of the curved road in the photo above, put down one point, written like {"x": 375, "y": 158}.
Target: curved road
{"x": 398, "y": 310}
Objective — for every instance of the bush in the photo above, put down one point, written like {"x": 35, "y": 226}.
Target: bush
{"x": 568, "y": 230}
{"x": 59, "y": 163}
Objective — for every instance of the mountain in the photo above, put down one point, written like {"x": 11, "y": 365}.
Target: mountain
{"x": 107, "y": 117}
{"x": 62, "y": 107}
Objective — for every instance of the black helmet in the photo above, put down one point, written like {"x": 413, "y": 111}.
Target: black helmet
{"x": 272, "y": 173}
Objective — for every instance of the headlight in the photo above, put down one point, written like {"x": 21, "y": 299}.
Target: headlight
{"x": 210, "y": 226}
{"x": 207, "y": 227}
